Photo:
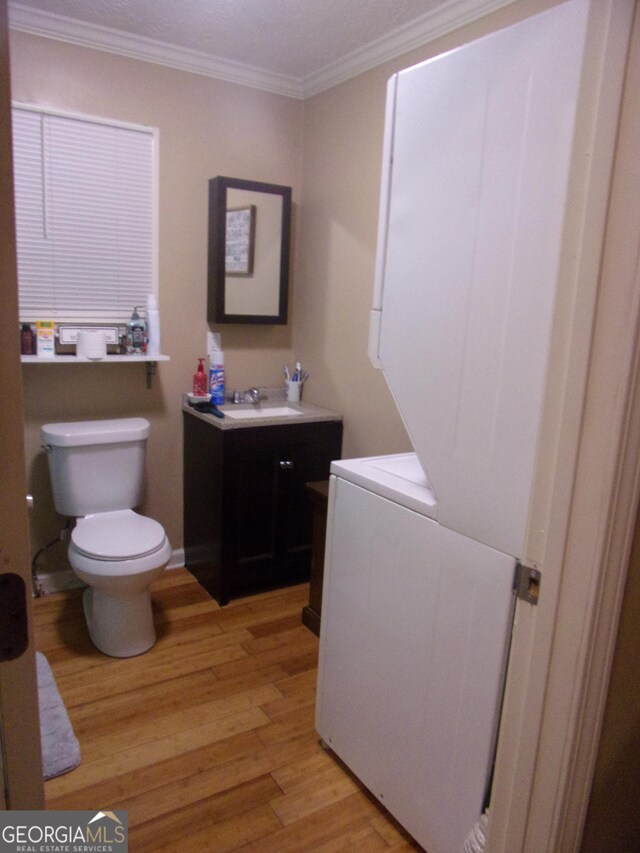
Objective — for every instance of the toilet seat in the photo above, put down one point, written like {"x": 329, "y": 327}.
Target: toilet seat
{"x": 118, "y": 535}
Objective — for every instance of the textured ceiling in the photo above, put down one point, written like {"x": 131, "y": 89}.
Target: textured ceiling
{"x": 293, "y": 47}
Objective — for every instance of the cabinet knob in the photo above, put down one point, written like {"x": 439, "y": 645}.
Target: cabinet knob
{"x": 286, "y": 463}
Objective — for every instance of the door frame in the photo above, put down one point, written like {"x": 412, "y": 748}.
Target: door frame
{"x": 21, "y": 761}
{"x": 563, "y": 648}
{"x": 540, "y": 794}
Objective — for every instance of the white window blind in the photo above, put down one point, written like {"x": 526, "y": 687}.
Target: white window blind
{"x": 85, "y": 216}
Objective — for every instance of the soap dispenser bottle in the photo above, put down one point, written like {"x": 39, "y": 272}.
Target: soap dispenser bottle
{"x": 200, "y": 381}
{"x": 136, "y": 334}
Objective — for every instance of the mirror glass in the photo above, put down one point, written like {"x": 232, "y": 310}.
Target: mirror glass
{"x": 249, "y": 231}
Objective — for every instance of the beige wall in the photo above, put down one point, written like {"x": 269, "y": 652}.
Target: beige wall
{"x": 334, "y": 283}
{"x": 329, "y": 150}
{"x": 207, "y": 128}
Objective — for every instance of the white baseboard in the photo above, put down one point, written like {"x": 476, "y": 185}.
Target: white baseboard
{"x": 177, "y": 559}
{"x": 60, "y": 581}
{"x": 66, "y": 579}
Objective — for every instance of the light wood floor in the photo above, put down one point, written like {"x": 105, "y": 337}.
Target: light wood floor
{"x": 207, "y": 740}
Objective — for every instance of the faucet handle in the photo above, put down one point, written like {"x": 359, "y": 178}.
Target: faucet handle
{"x": 254, "y": 394}
{"x": 237, "y": 397}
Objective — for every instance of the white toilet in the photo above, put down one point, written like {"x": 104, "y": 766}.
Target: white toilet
{"x": 97, "y": 472}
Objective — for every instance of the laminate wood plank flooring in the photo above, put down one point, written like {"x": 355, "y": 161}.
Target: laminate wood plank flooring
{"x": 208, "y": 740}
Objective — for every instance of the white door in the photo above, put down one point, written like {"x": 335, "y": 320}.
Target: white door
{"x": 19, "y": 723}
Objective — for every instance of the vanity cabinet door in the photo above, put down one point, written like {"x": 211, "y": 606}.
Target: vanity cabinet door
{"x": 248, "y": 517}
{"x": 267, "y": 519}
{"x": 296, "y": 509}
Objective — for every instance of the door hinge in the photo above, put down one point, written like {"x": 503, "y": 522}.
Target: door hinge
{"x": 527, "y": 583}
{"x": 14, "y": 636}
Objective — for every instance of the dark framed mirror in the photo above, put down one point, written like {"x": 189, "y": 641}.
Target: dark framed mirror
{"x": 249, "y": 236}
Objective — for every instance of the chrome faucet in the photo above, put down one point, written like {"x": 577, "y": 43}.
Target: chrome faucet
{"x": 251, "y": 395}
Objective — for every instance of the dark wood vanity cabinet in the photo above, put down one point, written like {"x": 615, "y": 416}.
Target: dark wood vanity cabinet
{"x": 247, "y": 514}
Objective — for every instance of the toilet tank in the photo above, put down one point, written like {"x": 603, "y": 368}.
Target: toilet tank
{"x": 96, "y": 466}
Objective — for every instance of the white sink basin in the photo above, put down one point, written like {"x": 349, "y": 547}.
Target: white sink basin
{"x": 259, "y": 412}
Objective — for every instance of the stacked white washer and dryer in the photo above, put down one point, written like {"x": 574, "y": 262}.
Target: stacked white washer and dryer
{"x": 423, "y": 547}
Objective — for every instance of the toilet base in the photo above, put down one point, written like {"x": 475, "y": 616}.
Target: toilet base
{"x": 119, "y": 627}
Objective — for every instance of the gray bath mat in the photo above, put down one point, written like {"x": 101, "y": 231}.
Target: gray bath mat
{"x": 60, "y": 747}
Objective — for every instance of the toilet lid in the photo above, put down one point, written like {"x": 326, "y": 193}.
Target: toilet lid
{"x": 119, "y": 535}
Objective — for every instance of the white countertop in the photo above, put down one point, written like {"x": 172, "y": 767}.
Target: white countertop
{"x": 306, "y": 413}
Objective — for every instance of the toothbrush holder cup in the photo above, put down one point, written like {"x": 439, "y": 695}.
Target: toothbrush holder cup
{"x": 294, "y": 391}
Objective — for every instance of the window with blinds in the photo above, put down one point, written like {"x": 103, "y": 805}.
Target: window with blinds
{"x": 86, "y": 216}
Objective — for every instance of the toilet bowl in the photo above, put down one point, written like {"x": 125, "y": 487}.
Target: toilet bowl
{"x": 119, "y": 555}
{"x": 96, "y": 476}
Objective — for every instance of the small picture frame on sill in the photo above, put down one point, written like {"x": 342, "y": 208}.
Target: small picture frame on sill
{"x": 240, "y": 240}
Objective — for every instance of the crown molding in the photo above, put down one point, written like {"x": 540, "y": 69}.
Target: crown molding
{"x": 434, "y": 24}
{"x": 48, "y": 25}
{"x": 440, "y": 21}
